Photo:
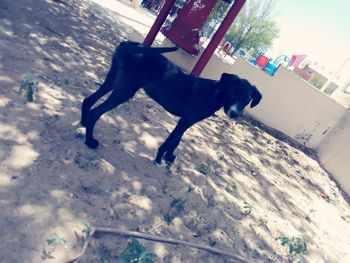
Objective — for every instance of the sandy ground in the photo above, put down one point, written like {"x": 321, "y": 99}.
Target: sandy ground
{"x": 234, "y": 186}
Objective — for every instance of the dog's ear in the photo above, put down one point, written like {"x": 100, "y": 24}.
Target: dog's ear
{"x": 256, "y": 97}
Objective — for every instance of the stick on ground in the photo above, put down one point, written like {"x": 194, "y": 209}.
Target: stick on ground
{"x": 157, "y": 239}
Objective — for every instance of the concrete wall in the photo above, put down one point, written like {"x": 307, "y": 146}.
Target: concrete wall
{"x": 289, "y": 104}
{"x": 342, "y": 97}
{"x": 134, "y": 3}
{"x": 334, "y": 152}
{"x": 300, "y": 111}
{"x": 181, "y": 58}
{"x": 294, "y": 107}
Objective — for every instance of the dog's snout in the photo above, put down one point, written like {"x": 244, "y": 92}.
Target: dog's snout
{"x": 233, "y": 112}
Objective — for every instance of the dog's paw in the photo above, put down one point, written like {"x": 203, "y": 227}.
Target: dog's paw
{"x": 92, "y": 144}
{"x": 161, "y": 164}
{"x": 169, "y": 158}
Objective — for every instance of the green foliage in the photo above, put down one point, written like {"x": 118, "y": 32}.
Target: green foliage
{"x": 87, "y": 230}
{"x": 215, "y": 17}
{"x": 296, "y": 247}
{"x": 230, "y": 38}
{"x": 254, "y": 27}
{"x": 219, "y": 11}
{"x": 247, "y": 208}
{"x": 137, "y": 253}
{"x": 28, "y": 85}
{"x": 317, "y": 80}
{"x": 262, "y": 222}
{"x": 262, "y": 36}
{"x": 55, "y": 241}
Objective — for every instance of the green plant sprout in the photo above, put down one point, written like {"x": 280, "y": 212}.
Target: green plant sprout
{"x": 87, "y": 230}
{"x": 55, "y": 240}
{"x": 136, "y": 253}
{"x": 262, "y": 222}
{"x": 247, "y": 208}
{"x": 296, "y": 247}
{"x": 28, "y": 85}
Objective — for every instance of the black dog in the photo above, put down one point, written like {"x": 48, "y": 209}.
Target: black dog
{"x": 191, "y": 98}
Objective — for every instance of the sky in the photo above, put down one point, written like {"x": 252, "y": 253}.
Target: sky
{"x": 319, "y": 29}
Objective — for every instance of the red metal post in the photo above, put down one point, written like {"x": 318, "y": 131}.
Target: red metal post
{"x": 158, "y": 22}
{"x": 185, "y": 29}
{"x": 225, "y": 25}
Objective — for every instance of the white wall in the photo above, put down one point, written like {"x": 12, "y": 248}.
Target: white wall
{"x": 289, "y": 103}
{"x": 294, "y": 107}
{"x": 334, "y": 152}
{"x": 134, "y": 3}
{"x": 181, "y": 58}
{"x": 342, "y": 97}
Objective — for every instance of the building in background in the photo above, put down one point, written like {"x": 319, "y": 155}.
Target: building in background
{"x": 314, "y": 72}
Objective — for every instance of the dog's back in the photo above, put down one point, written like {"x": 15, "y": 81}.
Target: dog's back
{"x": 147, "y": 63}
{"x": 137, "y": 48}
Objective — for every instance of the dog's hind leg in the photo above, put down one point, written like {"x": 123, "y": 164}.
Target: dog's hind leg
{"x": 123, "y": 90}
{"x": 167, "y": 148}
{"x": 88, "y": 102}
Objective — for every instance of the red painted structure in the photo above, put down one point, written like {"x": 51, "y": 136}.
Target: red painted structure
{"x": 158, "y": 22}
{"x": 262, "y": 61}
{"x": 190, "y": 19}
{"x": 219, "y": 34}
{"x": 208, "y": 52}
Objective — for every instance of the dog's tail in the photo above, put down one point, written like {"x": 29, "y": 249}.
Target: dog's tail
{"x": 162, "y": 49}
{"x": 136, "y": 47}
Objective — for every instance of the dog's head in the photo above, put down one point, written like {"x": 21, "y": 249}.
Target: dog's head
{"x": 236, "y": 94}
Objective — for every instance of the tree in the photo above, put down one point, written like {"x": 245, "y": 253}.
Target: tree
{"x": 317, "y": 80}
{"x": 254, "y": 27}
{"x": 219, "y": 10}
{"x": 216, "y": 16}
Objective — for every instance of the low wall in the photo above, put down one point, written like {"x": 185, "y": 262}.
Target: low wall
{"x": 289, "y": 103}
{"x": 334, "y": 152}
{"x": 294, "y": 107}
{"x": 342, "y": 97}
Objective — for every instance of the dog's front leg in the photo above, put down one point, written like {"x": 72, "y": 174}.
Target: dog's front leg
{"x": 167, "y": 148}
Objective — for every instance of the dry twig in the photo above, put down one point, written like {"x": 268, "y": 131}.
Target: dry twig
{"x": 154, "y": 238}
